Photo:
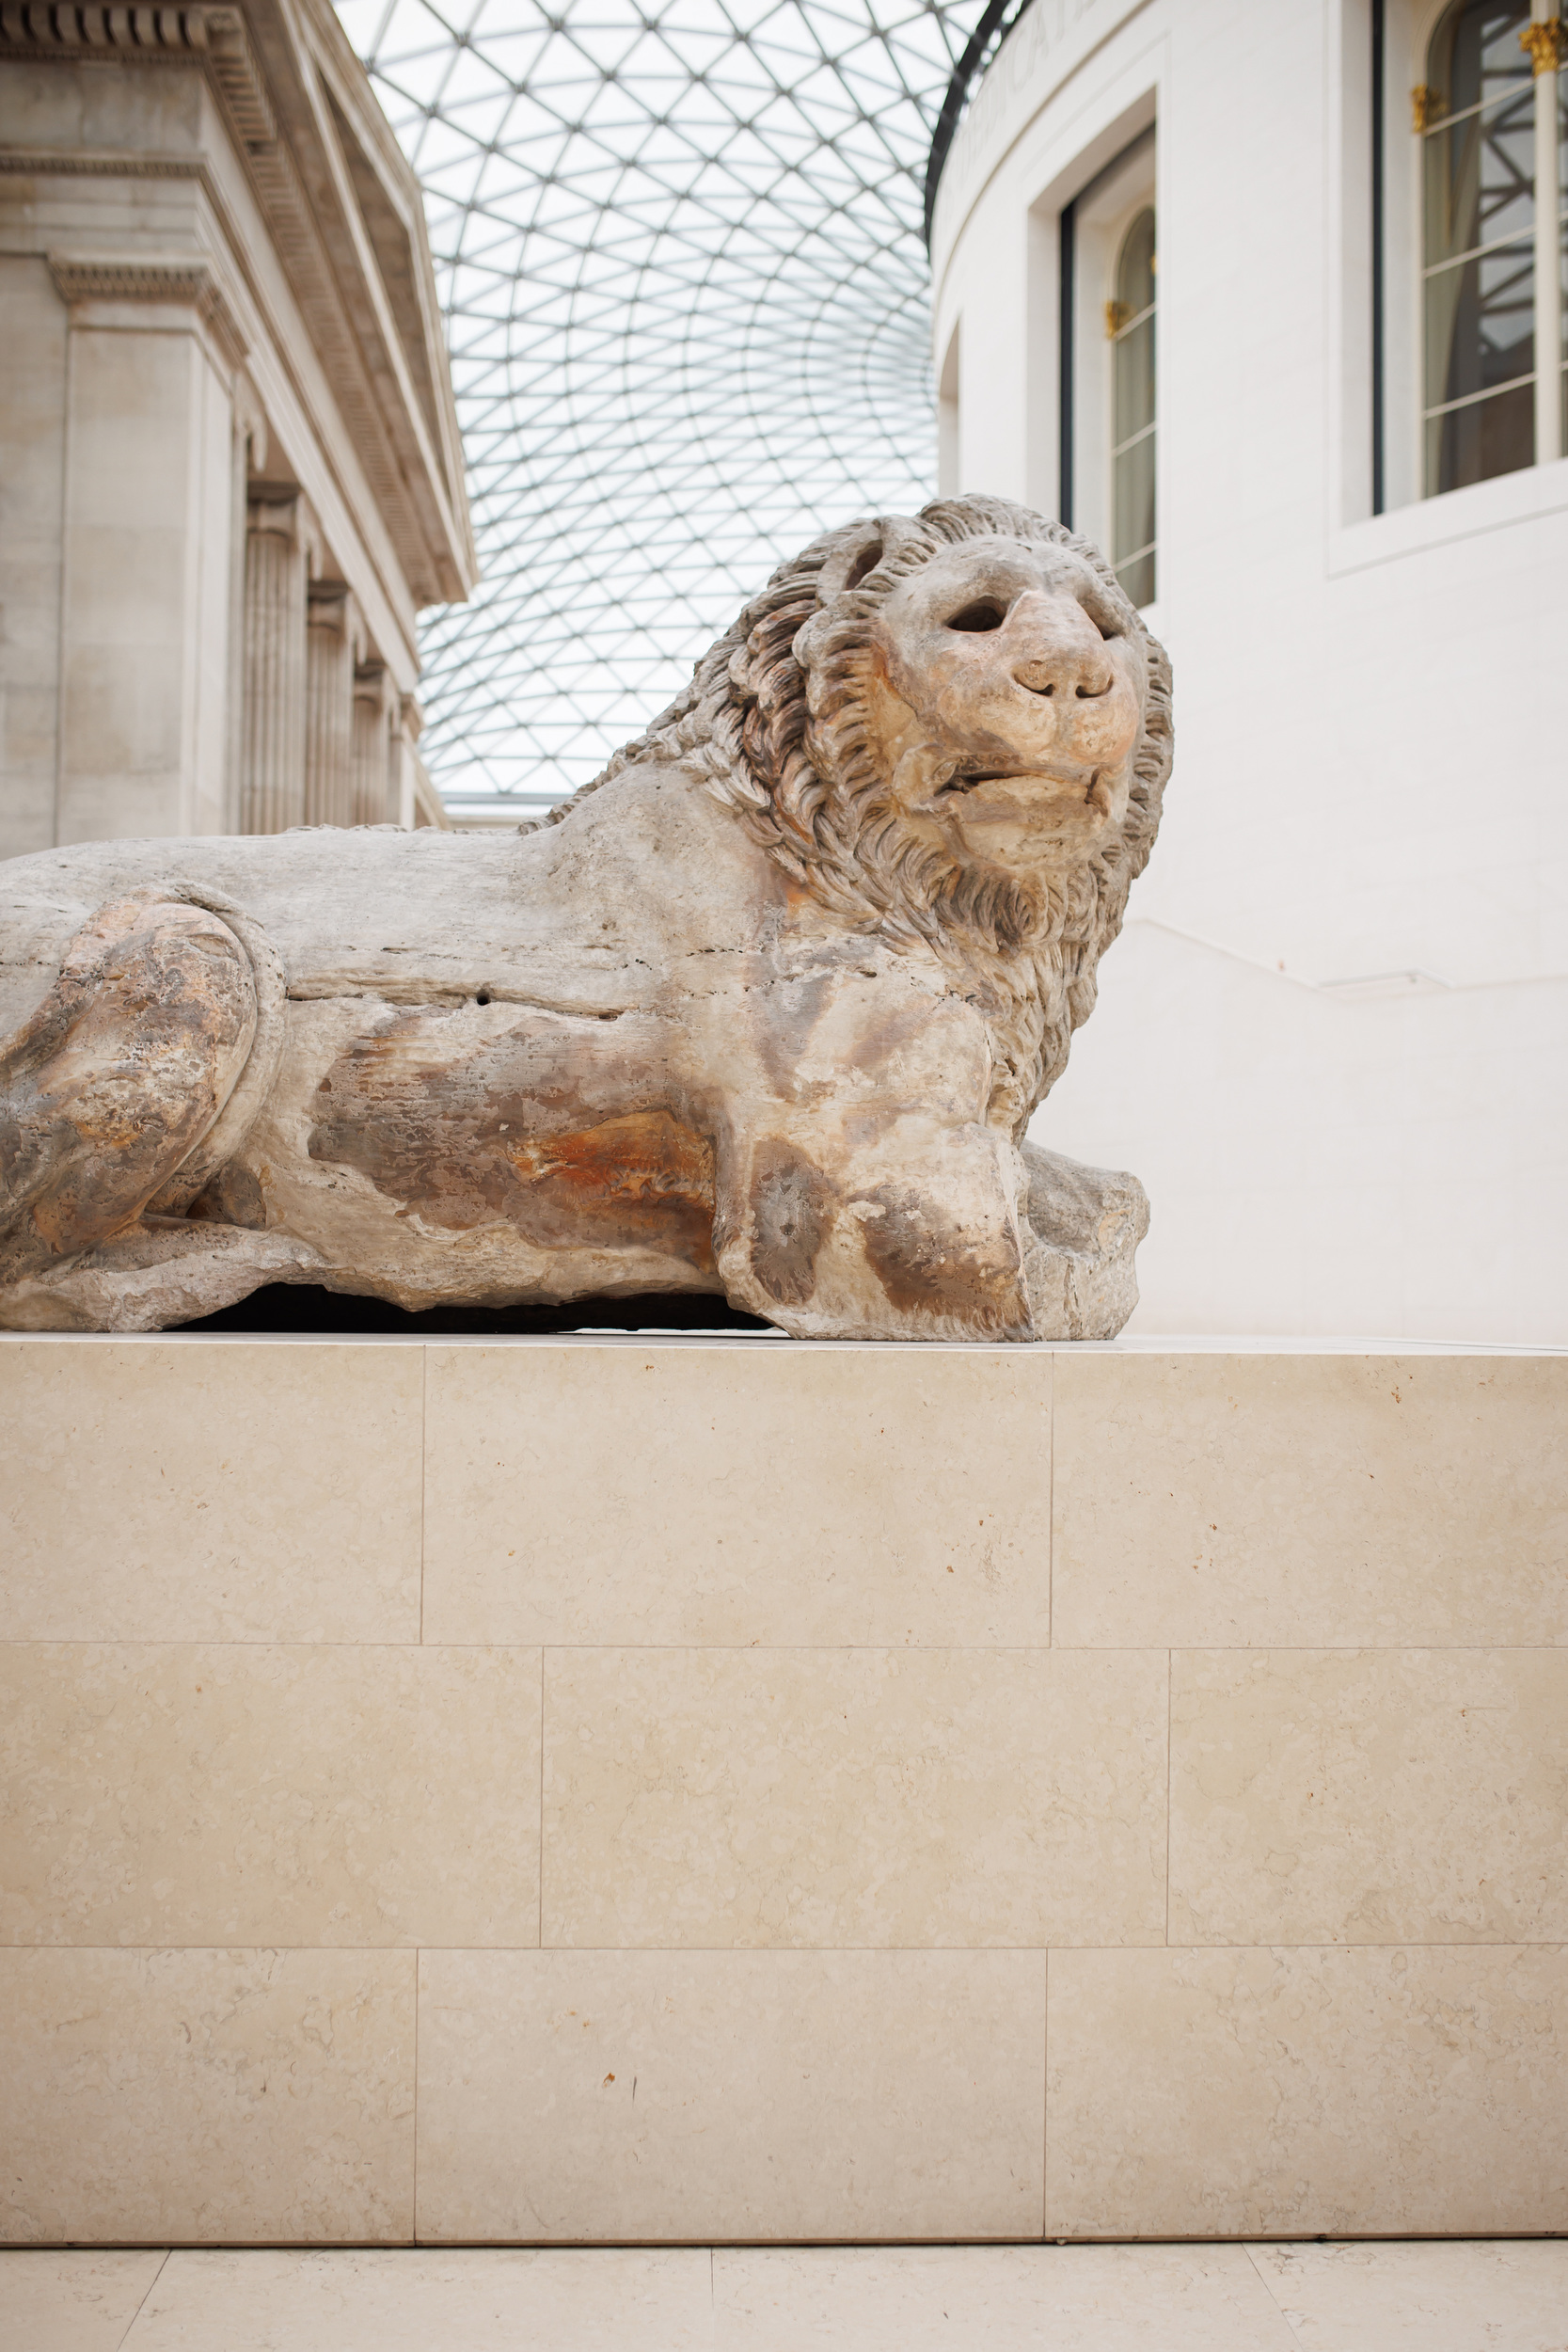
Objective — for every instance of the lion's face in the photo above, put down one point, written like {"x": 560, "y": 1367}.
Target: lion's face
{"x": 1005, "y": 702}
{"x": 948, "y": 727}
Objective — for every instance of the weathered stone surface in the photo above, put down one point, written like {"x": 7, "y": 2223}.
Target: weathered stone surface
{"x": 766, "y": 1014}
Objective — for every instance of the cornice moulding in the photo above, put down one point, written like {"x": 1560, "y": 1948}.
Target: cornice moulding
{"x": 42, "y": 163}
{"x": 181, "y": 279}
{"x": 130, "y": 36}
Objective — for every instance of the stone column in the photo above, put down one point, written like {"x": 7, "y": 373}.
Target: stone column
{"x": 273, "y": 795}
{"x": 247, "y": 457}
{"x": 329, "y": 708}
{"x": 143, "y": 498}
{"x": 372, "y": 747}
{"x": 33, "y": 467}
{"x": 408, "y": 727}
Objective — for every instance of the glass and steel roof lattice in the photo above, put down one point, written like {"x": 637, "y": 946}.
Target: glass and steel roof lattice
{"x": 679, "y": 249}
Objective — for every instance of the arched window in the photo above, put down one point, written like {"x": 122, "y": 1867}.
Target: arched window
{"x": 1129, "y": 320}
{"x": 1488, "y": 116}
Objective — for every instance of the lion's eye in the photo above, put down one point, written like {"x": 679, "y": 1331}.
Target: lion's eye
{"x": 985, "y": 614}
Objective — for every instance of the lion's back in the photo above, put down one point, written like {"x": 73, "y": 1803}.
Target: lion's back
{"x": 331, "y": 902}
{"x": 589, "y": 913}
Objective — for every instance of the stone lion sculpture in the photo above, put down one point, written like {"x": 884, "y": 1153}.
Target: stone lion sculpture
{"x": 764, "y": 1010}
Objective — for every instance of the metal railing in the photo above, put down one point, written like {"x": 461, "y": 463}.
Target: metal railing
{"x": 986, "y": 39}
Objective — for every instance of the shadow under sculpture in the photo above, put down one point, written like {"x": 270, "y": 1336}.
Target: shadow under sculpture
{"x": 763, "y": 1012}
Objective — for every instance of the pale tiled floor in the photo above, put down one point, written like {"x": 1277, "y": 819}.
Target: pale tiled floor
{"x": 1409, "y": 2298}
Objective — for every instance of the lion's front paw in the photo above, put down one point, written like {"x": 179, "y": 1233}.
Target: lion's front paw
{"x": 1085, "y": 1224}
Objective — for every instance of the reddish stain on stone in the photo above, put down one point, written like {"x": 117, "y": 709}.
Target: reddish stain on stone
{"x": 525, "y": 1128}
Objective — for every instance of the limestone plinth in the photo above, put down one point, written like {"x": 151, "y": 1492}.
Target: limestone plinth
{"x": 674, "y": 1790}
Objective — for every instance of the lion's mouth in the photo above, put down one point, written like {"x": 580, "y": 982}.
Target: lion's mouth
{"x": 1084, "y": 780}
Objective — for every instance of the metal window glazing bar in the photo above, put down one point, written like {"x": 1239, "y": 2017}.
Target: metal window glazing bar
{"x": 1476, "y": 253}
{"x": 1471, "y": 400}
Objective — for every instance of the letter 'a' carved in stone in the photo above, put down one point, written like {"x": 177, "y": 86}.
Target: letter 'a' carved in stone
{"x": 763, "y": 1012}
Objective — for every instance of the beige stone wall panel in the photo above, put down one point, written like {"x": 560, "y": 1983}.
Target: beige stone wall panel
{"x": 812, "y": 1798}
{"x": 690, "y": 1495}
{"x": 241, "y": 1794}
{"x": 207, "y": 2096}
{"x": 1368, "y": 1797}
{"x": 734, "y": 2095}
{"x": 1312, "y": 1500}
{"x": 1287, "y": 2093}
{"x": 190, "y": 1490}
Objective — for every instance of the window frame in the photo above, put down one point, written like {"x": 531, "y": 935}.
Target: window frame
{"x": 1118, "y": 331}
{"x": 1427, "y": 130}
{"x": 1102, "y": 214}
{"x": 1404, "y": 31}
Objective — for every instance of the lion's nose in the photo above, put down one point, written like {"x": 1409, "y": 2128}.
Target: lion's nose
{"x": 1064, "y": 654}
{"x": 1066, "y": 672}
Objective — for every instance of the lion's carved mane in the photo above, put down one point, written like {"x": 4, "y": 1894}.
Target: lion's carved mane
{"x": 774, "y": 723}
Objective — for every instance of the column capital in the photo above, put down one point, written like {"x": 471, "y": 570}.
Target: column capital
{"x": 176, "y": 280}
{"x": 277, "y": 513}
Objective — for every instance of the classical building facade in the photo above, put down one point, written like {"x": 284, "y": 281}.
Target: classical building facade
{"x": 230, "y": 464}
{"x": 1270, "y": 302}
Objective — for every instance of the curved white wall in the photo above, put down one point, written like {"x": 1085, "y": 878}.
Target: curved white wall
{"x": 1371, "y": 785}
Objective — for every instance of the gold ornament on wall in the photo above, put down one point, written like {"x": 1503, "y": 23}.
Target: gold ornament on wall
{"x": 1545, "y": 44}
